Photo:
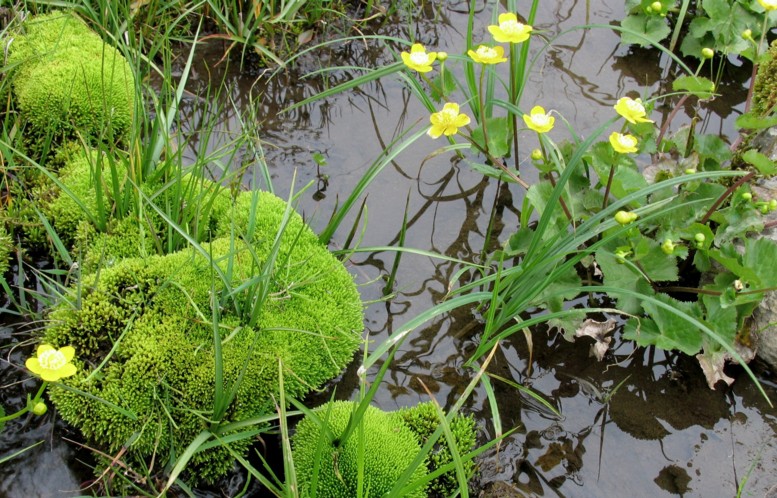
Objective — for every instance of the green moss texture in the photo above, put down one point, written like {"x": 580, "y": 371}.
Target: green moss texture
{"x": 143, "y": 333}
{"x": 389, "y": 447}
{"x": 68, "y": 83}
{"x": 765, "y": 88}
{"x": 423, "y": 421}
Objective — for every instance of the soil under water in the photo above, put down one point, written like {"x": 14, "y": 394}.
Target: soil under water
{"x": 642, "y": 422}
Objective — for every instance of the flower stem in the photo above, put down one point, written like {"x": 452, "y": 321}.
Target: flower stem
{"x": 607, "y": 188}
{"x": 483, "y": 110}
{"x": 724, "y": 196}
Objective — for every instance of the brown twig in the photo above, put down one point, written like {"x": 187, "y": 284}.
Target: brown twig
{"x": 725, "y": 195}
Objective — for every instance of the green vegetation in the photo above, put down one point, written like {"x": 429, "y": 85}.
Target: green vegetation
{"x": 423, "y": 420}
{"x": 68, "y": 84}
{"x": 195, "y": 312}
{"x": 143, "y": 332}
{"x": 374, "y": 457}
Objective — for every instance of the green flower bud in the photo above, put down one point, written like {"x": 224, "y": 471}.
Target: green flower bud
{"x": 536, "y": 155}
{"x": 772, "y": 204}
{"x": 707, "y": 53}
{"x": 699, "y": 237}
{"x": 656, "y": 6}
{"x": 40, "y": 408}
{"x": 624, "y": 217}
{"x": 764, "y": 209}
{"x": 621, "y": 254}
{"x": 747, "y": 34}
{"x": 690, "y": 171}
{"x": 747, "y": 196}
{"x": 442, "y": 56}
{"x": 668, "y": 246}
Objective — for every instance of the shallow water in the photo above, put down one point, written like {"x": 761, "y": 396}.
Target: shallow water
{"x": 661, "y": 431}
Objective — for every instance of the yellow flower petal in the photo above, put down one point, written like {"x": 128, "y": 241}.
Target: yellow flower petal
{"x": 52, "y": 364}
{"x": 488, "y": 55}
{"x": 538, "y": 120}
{"x": 33, "y": 366}
{"x": 418, "y": 59}
{"x": 67, "y": 371}
{"x": 632, "y": 110}
{"x": 623, "y": 144}
{"x": 69, "y": 352}
{"x": 43, "y": 348}
{"x": 509, "y": 29}
{"x": 768, "y": 4}
{"x": 448, "y": 121}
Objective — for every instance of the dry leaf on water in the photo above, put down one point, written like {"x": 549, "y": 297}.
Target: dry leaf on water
{"x": 599, "y": 331}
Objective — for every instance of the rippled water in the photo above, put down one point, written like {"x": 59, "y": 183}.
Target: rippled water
{"x": 662, "y": 431}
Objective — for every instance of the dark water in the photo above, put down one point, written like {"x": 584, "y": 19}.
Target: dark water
{"x": 640, "y": 423}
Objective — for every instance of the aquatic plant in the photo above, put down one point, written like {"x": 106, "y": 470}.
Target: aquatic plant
{"x": 68, "y": 83}
{"x": 145, "y": 330}
{"x": 593, "y": 210}
{"x": 368, "y": 463}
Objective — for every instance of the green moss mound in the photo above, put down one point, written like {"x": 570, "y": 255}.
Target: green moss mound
{"x": 389, "y": 448}
{"x": 6, "y": 248}
{"x": 99, "y": 184}
{"x": 765, "y": 88}
{"x": 422, "y": 419}
{"x": 68, "y": 83}
{"x": 143, "y": 335}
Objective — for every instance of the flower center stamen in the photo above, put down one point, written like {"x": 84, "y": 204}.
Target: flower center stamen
{"x": 419, "y": 58}
{"x": 52, "y": 360}
{"x": 487, "y": 53}
{"x": 511, "y": 27}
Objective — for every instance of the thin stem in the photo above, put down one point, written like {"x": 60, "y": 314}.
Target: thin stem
{"x": 483, "y": 109}
{"x": 725, "y": 195}
{"x": 607, "y": 189}
{"x": 498, "y": 162}
{"x": 561, "y": 201}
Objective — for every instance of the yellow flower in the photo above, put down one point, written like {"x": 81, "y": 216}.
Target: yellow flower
{"x": 538, "y": 120}
{"x": 488, "y": 55}
{"x": 632, "y": 110}
{"x": 623, "y": 143}
{"x": 509, "y": 29}
{"x": 418, "y": 59}
{"x": 448, "y": 121}
{"x": 52, "y": 364}
{"x": 768, "y": 4}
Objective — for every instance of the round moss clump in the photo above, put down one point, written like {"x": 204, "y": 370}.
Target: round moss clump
{"x": 144, "y": 335}
{"x": 389, "y": 448}
{"x": 423, "y": 420}
{"x": 68, "y": 83}
{"x": 765, "y": 88}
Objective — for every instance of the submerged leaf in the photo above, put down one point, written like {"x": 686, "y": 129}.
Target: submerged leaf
{"x": 712, "y": 364}
{"x": 598, "y": 331}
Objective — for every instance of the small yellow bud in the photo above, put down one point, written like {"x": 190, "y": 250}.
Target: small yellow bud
{"x": 707, "y": 53}
{"x": 690, "y": 171}
{"x": 40, "y": 408}
{"x": 772, "y": 204}
{"x": 536, "y": 155}
{"x": 747, "y": 196}
{"x": 668, "y": 246}
{"x": 442, "y": 56}
{"x": 656, "y": 6}
{"x": 624, "y": 217}
{"x": 747, "y": 34}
